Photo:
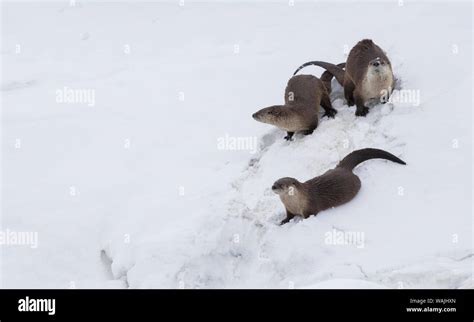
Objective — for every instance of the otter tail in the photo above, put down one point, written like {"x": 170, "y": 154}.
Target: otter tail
{"x": 337, "y": 71}
{"x": 326, "y": 77}
{"x": 359, "y": 156}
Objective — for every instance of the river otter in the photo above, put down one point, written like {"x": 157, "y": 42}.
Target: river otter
{"x": 300, "y": 113}
{"x": 333, "y": 188}
{"x": 368, "y": 78}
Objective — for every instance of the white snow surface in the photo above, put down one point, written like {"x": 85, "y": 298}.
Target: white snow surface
{"x": 133, "y": 191}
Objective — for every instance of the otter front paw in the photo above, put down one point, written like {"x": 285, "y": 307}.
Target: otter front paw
{"x": 362, "y": 111}
{"x": 289, "y": 136}
{"x": 330, "y": 113}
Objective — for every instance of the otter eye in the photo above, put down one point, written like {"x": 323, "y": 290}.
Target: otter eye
{"x": 275, "y": 112}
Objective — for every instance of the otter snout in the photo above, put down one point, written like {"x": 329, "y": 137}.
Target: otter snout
{"x": 265, "y": 115}
{"x": 277, "y": 188}
{"x": 377, "y": 63}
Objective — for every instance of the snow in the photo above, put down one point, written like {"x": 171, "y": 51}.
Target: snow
{"x": 134, "y": 191}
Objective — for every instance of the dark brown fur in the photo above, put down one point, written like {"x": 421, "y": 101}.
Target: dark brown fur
{"x": 362, "y": 87}
{"x": 336, "y": 70}
{"x": 327, "y": 76}
{"x": 358, "y": 62}
{"x": 331, "y": 189}
{"x": 300, "y": 113}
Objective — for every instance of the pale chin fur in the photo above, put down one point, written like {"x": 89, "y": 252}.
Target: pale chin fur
{"x": 279, "y": 191}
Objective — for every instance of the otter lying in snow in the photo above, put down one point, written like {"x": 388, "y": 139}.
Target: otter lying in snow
{"x": 333, "y": 188}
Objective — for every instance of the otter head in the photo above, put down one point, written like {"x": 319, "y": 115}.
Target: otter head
{"x": 379, "y": 66}
{"x": 286, "y": 186}
{"x": 269, "y": 115}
